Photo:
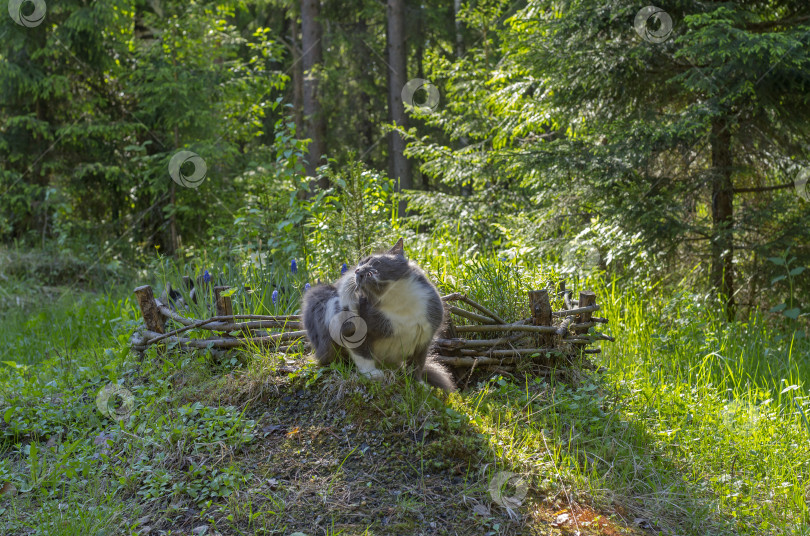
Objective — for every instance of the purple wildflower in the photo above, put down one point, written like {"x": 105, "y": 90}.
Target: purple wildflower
{"x": 294, "y": 267}
{"x": 343, "y": 269}
{"x": 275, "y": 296}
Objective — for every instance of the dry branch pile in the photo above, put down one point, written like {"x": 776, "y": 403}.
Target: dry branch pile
{"x": 491, "y": 341}
{"x": 484, "y": 339}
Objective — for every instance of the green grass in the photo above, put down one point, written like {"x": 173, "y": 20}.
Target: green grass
{"x": 694, "y": 425}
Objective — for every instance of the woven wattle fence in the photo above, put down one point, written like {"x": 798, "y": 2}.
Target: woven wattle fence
{"x": 473, "y": 335}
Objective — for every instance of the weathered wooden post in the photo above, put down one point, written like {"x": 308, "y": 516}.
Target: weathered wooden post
{"x": 540, "y": 308}
{"x": 152, "y": 317}
{"x": 586, "y": 299}
{"x": 566, "y": 294}
{"x": 224, "y": 305}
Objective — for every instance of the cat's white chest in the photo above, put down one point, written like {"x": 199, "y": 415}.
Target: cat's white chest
{"x": 405, "y": 306}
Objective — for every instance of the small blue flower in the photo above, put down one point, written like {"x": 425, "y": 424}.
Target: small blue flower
{"x": 206, "y": 277}
{"x": 306, "y": 287}
{"x": 275, "y": 296}
{"x": 343, "y": 269}
{"x": 294, "y": 267}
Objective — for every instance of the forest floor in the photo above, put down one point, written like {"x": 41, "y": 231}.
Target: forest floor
{"x": 341, "y": 455}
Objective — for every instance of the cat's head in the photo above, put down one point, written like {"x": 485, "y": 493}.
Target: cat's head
{"x": 374, "y": 273}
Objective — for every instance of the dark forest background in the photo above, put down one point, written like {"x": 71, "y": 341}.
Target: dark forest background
{"x": 674, "y": 149}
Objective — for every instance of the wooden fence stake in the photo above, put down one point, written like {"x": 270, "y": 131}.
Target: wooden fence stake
{"x": 224, "y": 306}
{"x": 586, "y": 298}
{"x": 149, "y": 309}
{"x": 540, "y": 307}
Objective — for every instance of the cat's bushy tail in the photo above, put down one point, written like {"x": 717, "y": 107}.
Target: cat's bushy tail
{"x": 435, "y": 374}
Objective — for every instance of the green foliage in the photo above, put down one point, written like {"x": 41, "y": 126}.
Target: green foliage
{"x": 580, "y": 123}
{"x": 351, "y": 219}
{"x": 98, "y": 99}
{"x": 786, "y": 261}
{"x": 206, "y": 426}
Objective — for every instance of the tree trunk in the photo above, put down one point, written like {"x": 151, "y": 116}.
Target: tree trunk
{"x": 397, "y": 77}
{"x": 459, "y": 35}
{"x": 312, "y": 62}
{"x": 722, "y": 272}
{"x": 363, "y": 100}
{"x": 466, "y": 188}
{"x": 172, "y": 187}
{"x": 297, "y": 77}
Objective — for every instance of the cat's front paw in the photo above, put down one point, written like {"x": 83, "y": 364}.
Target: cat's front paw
{"x": 374, "y": 374}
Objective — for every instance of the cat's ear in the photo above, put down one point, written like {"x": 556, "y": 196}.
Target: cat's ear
{"x": 398, "y": 249}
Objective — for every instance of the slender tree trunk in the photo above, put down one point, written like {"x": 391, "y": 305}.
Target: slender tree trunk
{"x": 312, "y": 59}
{"x": 459, "y": 35}
{"x": 297, "y": 77}
{"x": 397, "y": 78}
{"x": 172, "y": 186}
{"x": 366, "y": 81}
{"x": 466, "y": 189}
{"x": 722, "y": 272}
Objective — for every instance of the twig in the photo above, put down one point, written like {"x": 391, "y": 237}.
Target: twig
{"x": 581, "y": 325}
{"x": 578, "y": 310}
{"x": 234, "y": 342}
{"x": 473, "y": 361}
{"x": 471, "y": 316}
{"x": 507, "y": 353}
{"x": 466, "y": 343}
{"x": 591, "y": 337}
{"x": 506, "y": 327}
{"x": 257, "y": 324}
{"x": 562, "y": 330}
{"x": 167, "y": 311}
{"x": 463, "y": 297}
{"x": 216, "y": 324}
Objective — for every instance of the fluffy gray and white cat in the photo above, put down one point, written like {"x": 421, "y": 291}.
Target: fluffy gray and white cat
{"x": 384, "y": 312}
